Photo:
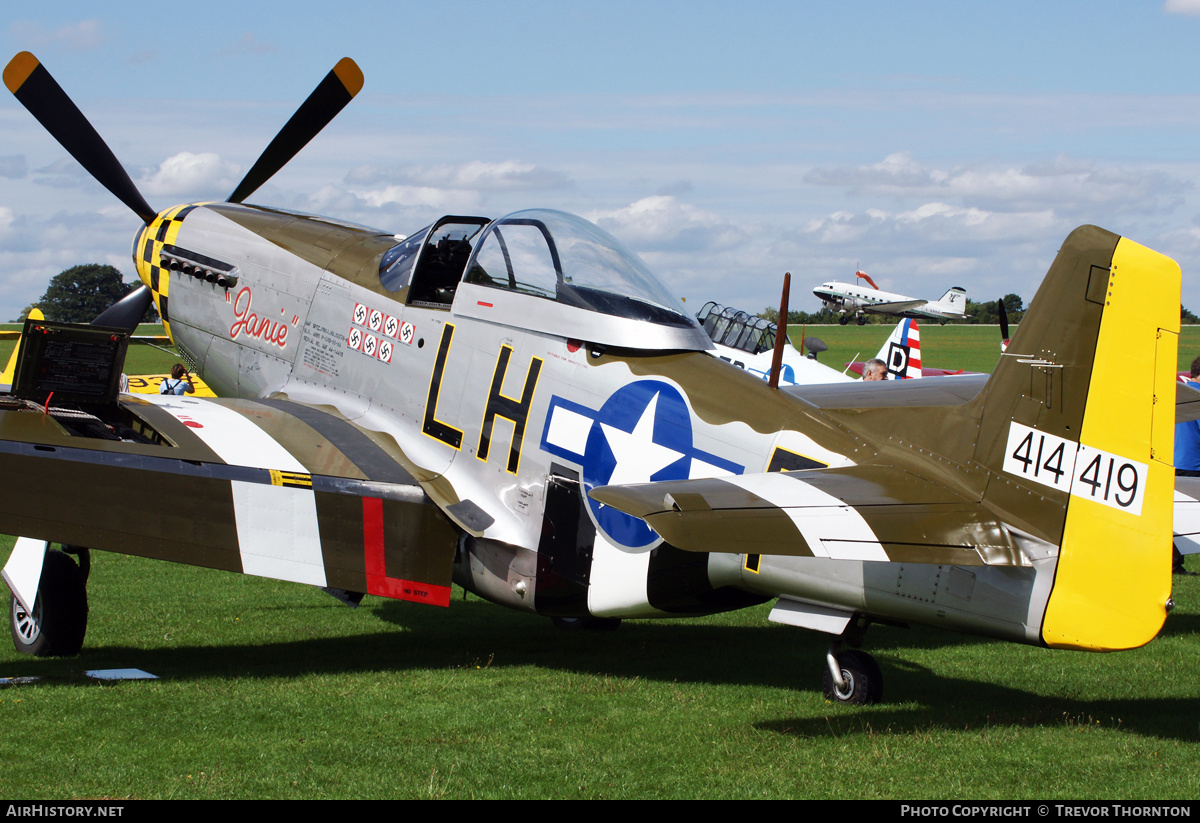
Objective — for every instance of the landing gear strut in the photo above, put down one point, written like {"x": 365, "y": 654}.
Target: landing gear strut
{"x": 56, "y": 624}
{"x": 851, "y": 676}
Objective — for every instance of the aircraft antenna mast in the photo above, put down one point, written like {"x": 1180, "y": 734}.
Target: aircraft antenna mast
{"x": 780, "y": 332}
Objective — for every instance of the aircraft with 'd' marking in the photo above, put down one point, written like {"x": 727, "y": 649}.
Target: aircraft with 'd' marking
{"x": 518, "y": 405}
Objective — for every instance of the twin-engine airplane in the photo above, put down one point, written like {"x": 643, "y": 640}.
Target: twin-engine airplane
{"x": 519, "y": 405}
{"x": 860, "y": 300}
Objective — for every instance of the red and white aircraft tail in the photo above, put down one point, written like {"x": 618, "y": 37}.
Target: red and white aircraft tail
{"x": 902, "y": 351}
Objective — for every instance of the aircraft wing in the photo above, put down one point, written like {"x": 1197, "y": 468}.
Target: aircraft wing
{"x": 851, "y": 513}
{"x": 1187, "y": 403}
{"x": 1186, "y": 515}
{"x": 895, "y": 307}
{"x": 268, "y": 487}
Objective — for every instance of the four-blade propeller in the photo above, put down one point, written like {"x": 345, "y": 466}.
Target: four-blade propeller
{"x": 37, "y": 91}
{"x": 32, "y": 85}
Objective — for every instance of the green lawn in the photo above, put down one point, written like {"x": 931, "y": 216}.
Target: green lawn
{"x": 274, "y": 690}
{"x": 973, "y": 348}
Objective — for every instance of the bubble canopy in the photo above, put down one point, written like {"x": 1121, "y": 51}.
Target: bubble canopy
{"x": 567, "y": 276}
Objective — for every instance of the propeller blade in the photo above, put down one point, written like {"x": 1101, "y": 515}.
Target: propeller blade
{"x": 127, "y": 312}
{"x": 37, "y": 91}
{"x": 330, "y": 97}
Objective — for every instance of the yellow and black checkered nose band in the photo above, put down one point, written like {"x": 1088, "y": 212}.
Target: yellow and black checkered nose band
{"x": 147, "y": 254}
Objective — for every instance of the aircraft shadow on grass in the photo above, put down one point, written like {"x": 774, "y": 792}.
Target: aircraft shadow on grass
{"x": 991, "y": 705}
{"x": 475, "y": 634}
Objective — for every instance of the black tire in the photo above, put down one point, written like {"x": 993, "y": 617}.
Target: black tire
{"x": 864, "y": 681}
{"x": 587, "y": 624}
{"x": 58, "y": 621}
{"x": 843, "y": 320}
{"x": 862, "y": 321}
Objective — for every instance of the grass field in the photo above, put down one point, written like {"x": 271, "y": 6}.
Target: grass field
{"x": 973, "y": 348}
{"x": 274, "y": 690}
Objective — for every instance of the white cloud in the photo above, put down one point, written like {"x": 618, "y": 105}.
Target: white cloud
{"x": 1188, "y": 7}
{"x": 1066, "y": 183}
{"x": 185, "y": 173}
{"x": 247, "y": 44}
{"x": 13, "y": 166}
{"x": 662, "y": 223}
{"x": 86, "y": 34}
{"x": 896, "y": 170}
{"x": 64, "y": 173}
{"x": 431, "y": 197}
{"x": 509, "y": 174}
{"x": 477, "y": 175}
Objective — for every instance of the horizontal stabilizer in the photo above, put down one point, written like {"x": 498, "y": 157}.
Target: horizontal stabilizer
{"x": 1186, "y": 515}
{"x": 851, "y": 513}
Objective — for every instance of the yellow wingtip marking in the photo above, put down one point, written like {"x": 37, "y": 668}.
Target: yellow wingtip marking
{"x": 18, "y": 70}
{"x": 6, "y": 376}
{"x": 350, "y": 74}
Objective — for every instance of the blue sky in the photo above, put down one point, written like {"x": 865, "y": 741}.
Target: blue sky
{"x": 931, "y": 144}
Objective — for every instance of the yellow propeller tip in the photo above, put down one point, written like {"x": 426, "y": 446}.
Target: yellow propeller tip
{"x": 18, "y": 70}
{"x": 346, "y": 70}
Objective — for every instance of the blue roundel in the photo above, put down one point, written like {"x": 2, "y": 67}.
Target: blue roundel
{"x": 641, "y": 434}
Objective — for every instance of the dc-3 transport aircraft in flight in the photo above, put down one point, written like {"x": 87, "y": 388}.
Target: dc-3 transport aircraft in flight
{"x": 518, "y": 405}
{"x": 851, "y": 297}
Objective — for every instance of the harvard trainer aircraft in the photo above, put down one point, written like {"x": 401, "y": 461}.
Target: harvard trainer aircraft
{"x": 860, "y": 300}
{"x": 519, "y": 405}
{"x": 748, "y": 342}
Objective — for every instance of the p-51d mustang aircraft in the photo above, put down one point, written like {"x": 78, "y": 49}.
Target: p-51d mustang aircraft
{"x": 851, "y": 297}
{"x": 517, "y": 404}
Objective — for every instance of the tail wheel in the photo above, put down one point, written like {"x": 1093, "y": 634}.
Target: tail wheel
{"x": 862, "y": 678}
{"x": 57, "y": 623}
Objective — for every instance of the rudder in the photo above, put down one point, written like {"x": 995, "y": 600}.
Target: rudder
{"x": 1081, "y": 412}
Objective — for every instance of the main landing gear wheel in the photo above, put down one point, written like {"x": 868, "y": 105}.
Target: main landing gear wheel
{"x": 58, "y": 621}
{"x": 843, "y": 320}
{"x": 862, "y": 321}
{"x": 862, "y": 682}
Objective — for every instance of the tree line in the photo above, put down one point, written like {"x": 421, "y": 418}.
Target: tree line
{"x": 80, "y": 293}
